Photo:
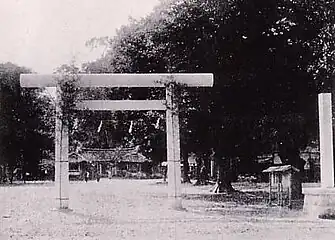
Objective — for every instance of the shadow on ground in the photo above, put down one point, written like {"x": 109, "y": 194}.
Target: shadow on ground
{"x": 28, "y": 183}
{"x": 246, "y": 204}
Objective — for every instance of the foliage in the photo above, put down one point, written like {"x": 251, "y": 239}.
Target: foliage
{"x": 268, "y": 59}
{"x": 26, "y": 122}
{"x": 324, "y": 44}
{"x": 68, "y": 94}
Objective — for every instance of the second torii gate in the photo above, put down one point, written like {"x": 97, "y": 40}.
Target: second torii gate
{"x": 123, "y": 80}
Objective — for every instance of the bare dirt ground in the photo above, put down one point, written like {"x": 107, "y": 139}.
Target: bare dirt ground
{"x": 138, "y": 209}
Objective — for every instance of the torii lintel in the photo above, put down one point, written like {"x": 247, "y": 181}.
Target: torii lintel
{"x": 121, "y": 80}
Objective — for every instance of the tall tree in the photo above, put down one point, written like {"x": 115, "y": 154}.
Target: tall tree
{"x": 26, "y": 129}
{"x": 265, "y": 55}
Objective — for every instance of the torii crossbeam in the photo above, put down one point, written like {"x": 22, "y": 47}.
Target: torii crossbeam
{"x": 123, "y": 80}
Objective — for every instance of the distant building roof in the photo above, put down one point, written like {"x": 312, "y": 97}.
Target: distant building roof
{"x": 76, "y": 157}
{"x": 103, "y": 155}
{"x": 134, "y": 158}
{"x": 113, "y": 155}
{"x": 283, "y": 168}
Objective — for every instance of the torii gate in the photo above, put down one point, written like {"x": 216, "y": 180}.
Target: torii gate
{"x": 123, "y": 80}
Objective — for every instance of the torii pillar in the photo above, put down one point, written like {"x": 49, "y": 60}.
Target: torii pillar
{"x": 320, "y": 201}
{"x": 173, "y": 148}
{"x": 61, "y": 158}
{"x": 170, "y": 105}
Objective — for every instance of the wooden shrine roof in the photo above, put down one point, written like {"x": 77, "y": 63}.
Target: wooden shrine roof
{"x": 130, "y": 155}
{"x": 282, "y": 168}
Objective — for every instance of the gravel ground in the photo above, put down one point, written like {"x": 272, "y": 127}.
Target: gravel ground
{"x": 138, "y": 209}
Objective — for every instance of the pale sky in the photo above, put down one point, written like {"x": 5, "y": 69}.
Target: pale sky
{"x": 43, "y": 34}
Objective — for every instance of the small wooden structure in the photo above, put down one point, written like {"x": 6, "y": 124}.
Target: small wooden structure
{"x": 283, "y": 182}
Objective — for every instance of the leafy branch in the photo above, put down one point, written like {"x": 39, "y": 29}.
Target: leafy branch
{"x": 68, "y": 94}
{"x": 178, "y": 91}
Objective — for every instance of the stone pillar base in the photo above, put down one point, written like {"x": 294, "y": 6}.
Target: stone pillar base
{"x": 175, "y": 203}
{"x": 63, "y": 203}
{"x": 63, "y": 210}
{"x": 319, "y": 202}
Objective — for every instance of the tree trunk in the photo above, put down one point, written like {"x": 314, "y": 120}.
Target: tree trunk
{"x": 198, "y": 172}
{"x": 295, "y": 160}
{"x": 23, "y": 173}
{"x": 11, "y": 176}
{"x": 186, "y": 178}
{"x": 224, "y": 177}
{"x": 224, "y": 180}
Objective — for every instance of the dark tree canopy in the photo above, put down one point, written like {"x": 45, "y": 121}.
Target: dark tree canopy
{"x": 26, "y": 122}
{"x": 269, "y": 59}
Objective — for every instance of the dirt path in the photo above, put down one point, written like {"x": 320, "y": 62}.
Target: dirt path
{"x": 138, "y": 209}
